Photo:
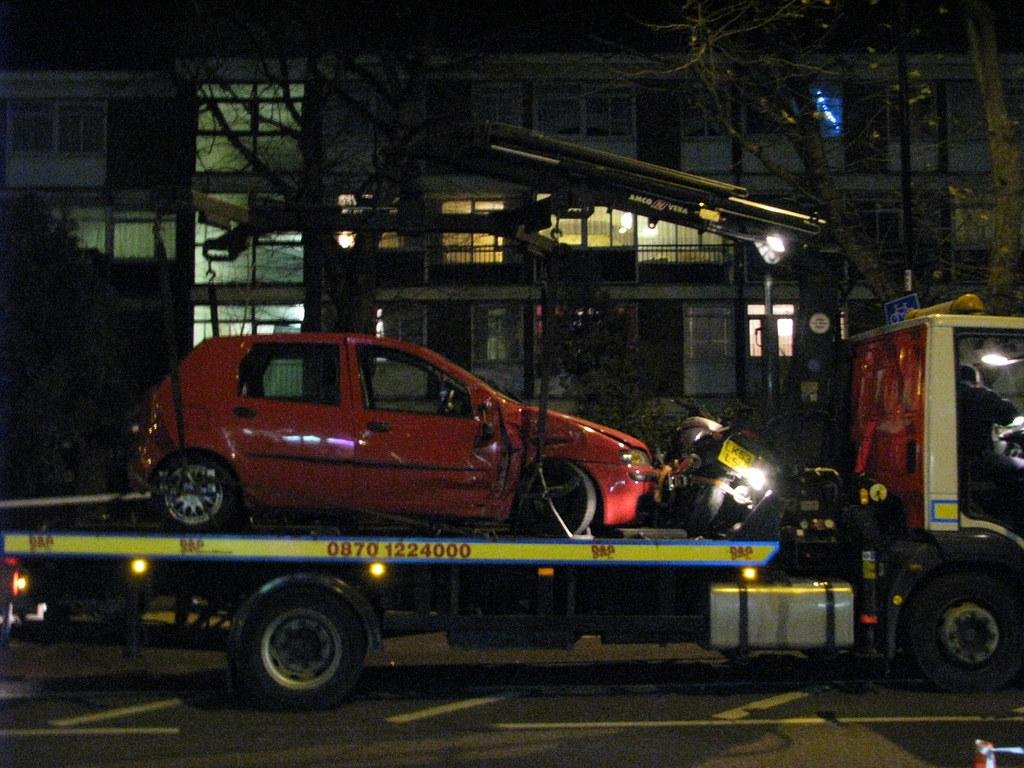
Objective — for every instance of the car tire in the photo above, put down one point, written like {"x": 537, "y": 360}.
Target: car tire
{"x": 964, "y": 632}
{"x": 569, "y": 489}
{"x": 300, "y": 649}
{"x": 196, "y": 492}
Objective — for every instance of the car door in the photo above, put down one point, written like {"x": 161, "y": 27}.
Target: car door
{"x": 423, "y": 445}
{"x": 289, "y": 427}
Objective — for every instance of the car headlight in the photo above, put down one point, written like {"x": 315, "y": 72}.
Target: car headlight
{"x": 634, "y": 457}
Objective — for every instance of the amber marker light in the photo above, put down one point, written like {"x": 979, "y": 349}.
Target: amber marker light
{"x": 749, "y": 574}
{"x": 139, "y": 566}
{"x": 378, "y": 570}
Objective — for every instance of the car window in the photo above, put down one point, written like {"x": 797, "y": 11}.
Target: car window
{"x": 396, "y": 381}
{"x": 305, "y": 373}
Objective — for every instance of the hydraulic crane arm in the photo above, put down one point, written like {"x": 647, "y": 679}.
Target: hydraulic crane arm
{"x": 655, "y": 191}
{"x": 577, "y": 177}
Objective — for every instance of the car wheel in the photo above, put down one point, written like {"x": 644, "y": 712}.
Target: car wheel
{"x": 561, "y": 487}
{"x": 197, "y": 493}
{"x": 964, "y": 632}
{"x": 300, "y": 649}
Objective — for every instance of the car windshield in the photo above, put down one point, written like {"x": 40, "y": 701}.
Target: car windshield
{"x": 497, "y": 388}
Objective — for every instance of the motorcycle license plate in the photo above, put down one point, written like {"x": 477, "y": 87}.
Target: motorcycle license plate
{"x": 735, "y": 456}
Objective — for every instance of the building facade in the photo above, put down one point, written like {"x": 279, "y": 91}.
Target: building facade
{"x": 120, "y": 154}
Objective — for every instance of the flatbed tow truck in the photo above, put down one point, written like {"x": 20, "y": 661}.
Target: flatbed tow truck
{"x": 906, "y": 555}
{"x": 912, "y": 550}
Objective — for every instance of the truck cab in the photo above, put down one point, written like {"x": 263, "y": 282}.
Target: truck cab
{"x": 934, "y": 400}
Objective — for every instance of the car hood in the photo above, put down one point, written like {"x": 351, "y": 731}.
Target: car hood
{"x": 563, "y": 428}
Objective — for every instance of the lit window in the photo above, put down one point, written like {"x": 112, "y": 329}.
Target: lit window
{"x": 828, "y": 108}
{"x": 242, "y": 120}
{"x": 783, "y": 314}
{"x": 661, "y": 242}
{"x": 134, "y": 237}
{"x": 472, "y": 247}
{"x": 237, "y": 320}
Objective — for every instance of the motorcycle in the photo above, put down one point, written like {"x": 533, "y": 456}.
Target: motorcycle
{"x": 714, "y": 479}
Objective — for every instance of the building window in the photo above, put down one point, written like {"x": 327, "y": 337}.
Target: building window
{"x": 883, "y": 224}
{"x": 709, "y": 350}
{"x": 52, "y": 127}
{"x": 579, "y": 111}
{"x": 655, "y": 241}
{"x": 125, "y": 235}
{"x": 660, "y": 242}
{"x": 274, "y": 258}
{"x": 698, "y": 123}
{"x": 783, "y": 314}
{"x": 497, "y": 353}
{"x": 407, "y": 322}
{"x": 241, "y": 121}
{"x": 828, "y": 108}
{"x": 498, "y": 103}
{"x": 134, "y": 237}
{"x": 472, "y": 247}
{"x": 245, "y": 320}
{"x": 709, "y": 334}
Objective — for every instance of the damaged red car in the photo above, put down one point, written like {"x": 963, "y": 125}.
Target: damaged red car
{"x": 364, "y": 429}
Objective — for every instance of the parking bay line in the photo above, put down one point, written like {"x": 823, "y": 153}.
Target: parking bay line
{"x": 774, "y": 701}
{"x": 444, "y": 709}
{"x": 113, "y": 714}
{"x": 101, "y": 731}
{"x": 800, "y": 721}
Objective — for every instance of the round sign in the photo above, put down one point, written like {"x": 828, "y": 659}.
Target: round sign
{"x": 819, "y": 322}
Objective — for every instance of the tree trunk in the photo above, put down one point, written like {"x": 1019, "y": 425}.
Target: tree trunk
{"x": 1004, "y": 157}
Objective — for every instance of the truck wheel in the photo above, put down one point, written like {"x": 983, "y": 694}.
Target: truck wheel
{"x": 300, "y": 649}
{"x": 964, "y": 632}
{"x": 196, "y": 492}
{"x": 570, "y": 491}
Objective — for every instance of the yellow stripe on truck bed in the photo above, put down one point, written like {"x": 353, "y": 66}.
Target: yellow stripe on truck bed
{"x": 393, "y": 550}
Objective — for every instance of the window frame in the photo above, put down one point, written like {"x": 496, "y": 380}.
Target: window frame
{"x": 261, "y": 355}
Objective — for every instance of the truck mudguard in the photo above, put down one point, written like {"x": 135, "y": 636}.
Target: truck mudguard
{"x": 330, "y": 584}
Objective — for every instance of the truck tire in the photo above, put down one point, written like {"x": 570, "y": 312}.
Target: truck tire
{"x": 299, "y": 649}
{"x": 964, "y": 632}
{"x": 196, "y": 492}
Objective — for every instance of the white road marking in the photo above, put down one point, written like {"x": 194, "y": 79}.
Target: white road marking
{"x": 910, "y": 719}
{"x": 444, "y": 709}
{"x": 113, "y": 714}
{"x": 11, "y": 732}
{"x": 10, "y": 691}
{"x": 774, "y": 701}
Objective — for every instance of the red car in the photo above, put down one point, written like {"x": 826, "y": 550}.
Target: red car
{"x": 347, "y": 422}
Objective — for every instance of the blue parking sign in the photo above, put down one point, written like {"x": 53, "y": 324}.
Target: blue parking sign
{"x": 896, "y": 310}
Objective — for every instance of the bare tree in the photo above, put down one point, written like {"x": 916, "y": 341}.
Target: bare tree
{"x": 761, "y": 61}
{"x": 1004, "y": 156}
{"x": 349, "y": 87}
{"x": 758, "y": 67}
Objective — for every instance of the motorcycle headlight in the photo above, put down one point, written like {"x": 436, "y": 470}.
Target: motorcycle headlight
{"x": 634, "y": 457}
{"x": 755, "y": 477}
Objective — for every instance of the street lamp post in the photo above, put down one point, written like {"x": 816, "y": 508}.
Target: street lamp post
{"x": 771, "y": 249}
